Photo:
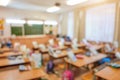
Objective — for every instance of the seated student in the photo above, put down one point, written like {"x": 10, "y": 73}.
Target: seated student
{"x": 8, "y": 43}
{"x": 36, "y": 58}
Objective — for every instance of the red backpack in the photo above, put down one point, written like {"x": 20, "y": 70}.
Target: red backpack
{"x": 68, "y": 75}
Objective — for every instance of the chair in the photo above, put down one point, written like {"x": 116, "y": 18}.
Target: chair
{"x": 35, "y": 44}
{"x": 42, "y": 46}
{"x": 90, "y": 75}
{"x": 51, "y": 42}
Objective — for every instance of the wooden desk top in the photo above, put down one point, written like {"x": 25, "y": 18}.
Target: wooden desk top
{"x": 59, "y": 48}
{"x": 5, "y": 49}
{"x": 64, "y": 53}
{"x": 79, "y": 44}
{"x": 15, "y": 74}
{"x": 98, "y": 47}
{"x": 86, "y": 60}
{"x": 5, "y": 62}
{"x": 68, "y": 43}
{"x": 109, "y": 73}
{"x": 114, "y": 51}
{"x": 6, "y": 54}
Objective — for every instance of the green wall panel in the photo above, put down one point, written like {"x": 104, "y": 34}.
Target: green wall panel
{"x": 33, "y": 29}
{"x": 16, "y": 30}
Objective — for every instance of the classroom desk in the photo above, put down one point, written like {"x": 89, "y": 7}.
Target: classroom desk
{"x": 5, "y": 49}
{"x": 80, "y": 45}
{"x": 67, "y": 43}
{"x": 86, "y": 60}
{"x": 5, "y": 62}
{"x": 64, "y": 53}
{"x": 109, "y": 73}
{"x": 6, "y": 54}
{"x": 113, "y": 52}
{"x": 58, "y": 48}
{"x": 13, "y": 73}
{"x": 98, "y": 47}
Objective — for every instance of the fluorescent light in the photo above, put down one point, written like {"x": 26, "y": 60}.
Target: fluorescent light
{"x": 4, "y": 2}
{"x": 34, "y": 22}
{"x": 74, "y": 2}
{"x": 51, "y": 23}
{"x": 53, "y": 9}
{"x": 14, "y": 21}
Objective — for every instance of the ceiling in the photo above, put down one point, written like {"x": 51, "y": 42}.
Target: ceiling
{"x": 42, "y": 5}
{"x": 36, "y": 9}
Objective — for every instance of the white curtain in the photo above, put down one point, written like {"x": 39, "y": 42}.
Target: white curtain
{"x": 70, "y": 25}
{"x": 100, "y": 23}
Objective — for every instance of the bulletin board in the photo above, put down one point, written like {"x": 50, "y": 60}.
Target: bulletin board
{"x": 1, "y": 26}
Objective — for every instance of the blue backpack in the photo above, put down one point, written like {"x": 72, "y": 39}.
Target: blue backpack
{"x": 50, "y": 67}
{"x": 104, "y": 60}
{"x": 9, "y": 45}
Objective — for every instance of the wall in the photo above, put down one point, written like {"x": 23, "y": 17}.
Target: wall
{"x": 11, "y": 13}
{"x": 79, "y": 26}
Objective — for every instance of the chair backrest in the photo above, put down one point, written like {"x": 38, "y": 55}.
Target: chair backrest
{"x": 16, "y": 44}
{"x": 42, "y": 46}
{"x": 117, "y": 55}
{"x": 50, "y": 50}
{"x": 62, "y": 40}
{"x": 108, "y": 48}
{"x": 61, "y": 44}
{"x": 71, "y": 55}
{"x": 35, "y": 44}
{"x": 74, "y": 41}
{"x": 51, "y": 42}
{"x": 75, "y": 46}
{"x": 115, "y": 44}
{"x": 23, "y": 48}
{"x": 86, "y": 43}
{"x": 93, "y": 51}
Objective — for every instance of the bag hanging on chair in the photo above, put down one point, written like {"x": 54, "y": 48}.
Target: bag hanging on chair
{"x": 68, "y": 75}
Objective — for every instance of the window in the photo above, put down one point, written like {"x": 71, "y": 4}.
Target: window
{"x": 100, "y": 22}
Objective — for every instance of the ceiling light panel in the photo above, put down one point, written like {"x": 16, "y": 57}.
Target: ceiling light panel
{"x": 34, "y": 22}
{"x": 15, "y": 21}
{"x": 4, "y": 2}
{"x": 74, "y": 2}
{"x": 53, "y": 9}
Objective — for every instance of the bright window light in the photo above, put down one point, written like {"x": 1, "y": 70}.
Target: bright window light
{"x": 15, "y": 21}
{"x": 74, "y": 2}
{"x": 51, "y": 23}
{"x": 4, "y": 2}
{"x": 53, "y": 9}
{"x": 34, "y": 22}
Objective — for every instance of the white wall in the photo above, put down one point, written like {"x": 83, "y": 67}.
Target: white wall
{"x": 10, "y": 13}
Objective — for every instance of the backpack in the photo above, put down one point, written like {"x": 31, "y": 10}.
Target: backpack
{"x": 104, "y": 60}
{"x": 50, "y": 67}
{"x": 68, "y": 75}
